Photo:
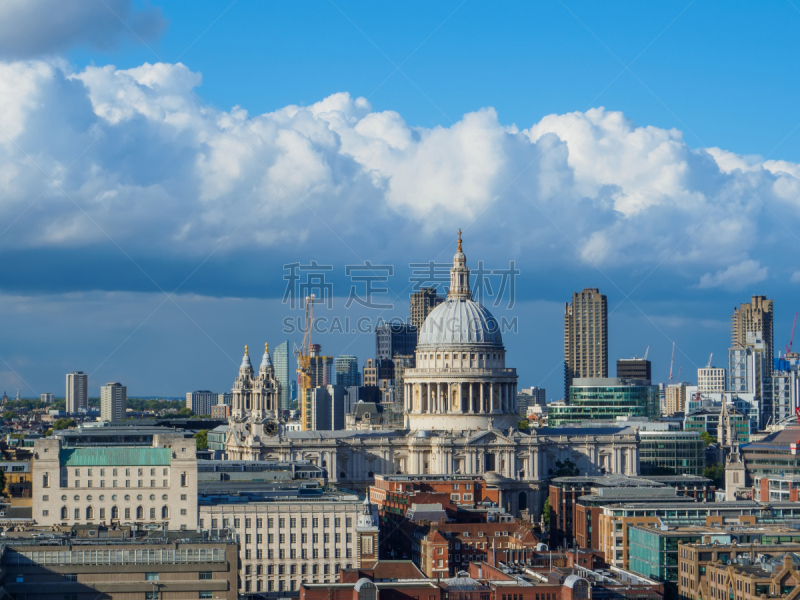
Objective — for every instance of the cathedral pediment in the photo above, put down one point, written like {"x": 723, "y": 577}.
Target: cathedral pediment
{"x": 488, "y": 438}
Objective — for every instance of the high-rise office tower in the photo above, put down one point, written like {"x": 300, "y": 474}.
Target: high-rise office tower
{"x": 634, "y": 368}
{"x": 711, "y": 380}
{"x": 370, "y": 373}
{"x": 281, "y": 358}
{"x": 113, "y": 402}
{"x": 48, "y": 398}
{"x": 585, "y": 336}
{"x": 201, "y": 401}
{"x": 347, "y": 373}
{"x": 422, "y": 303}
{"x": 395, "y": 338}
{"x": 320, "y": 367}
{"x": 77, "y": 392}
{"x": 754, "y": 318}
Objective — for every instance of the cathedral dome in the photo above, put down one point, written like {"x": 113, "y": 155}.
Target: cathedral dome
{"x": 460, "y": 321}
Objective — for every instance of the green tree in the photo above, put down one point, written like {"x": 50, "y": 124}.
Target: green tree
{"x": 185, "y": 412}
{"x": 566, "y": 469}
{"x": 708, "y": 438}
{"x": 8, "y": 415}
{"x": 63, "y": 424}
{"x": 547, "y": 512}
{"x": 716, "y": 473}
{"x": 2, "y": 481}
{"x": 202, "y": 439}
{"x": 523, "y": 425}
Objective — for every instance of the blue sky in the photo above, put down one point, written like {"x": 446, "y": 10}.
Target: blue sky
{"x": 162, "y": 162}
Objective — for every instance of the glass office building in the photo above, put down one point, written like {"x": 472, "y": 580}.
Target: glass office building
{"x": 671, "y": 452}
{"x": 280, "y": 358}
{"x": 605, "y": 399}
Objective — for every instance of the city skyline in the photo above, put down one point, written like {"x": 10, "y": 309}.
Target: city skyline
{"x": 148, "y": 221}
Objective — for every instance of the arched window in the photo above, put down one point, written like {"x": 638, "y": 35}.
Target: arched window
{"x": 139, "y": 512}
{"x": 523, "y": 501}
{"x": 114, "y": 512}
{"x": 183, "y": 479}
{"x": 64, "y": 512}
{"x": 366, "y": 590}
{"x": 89, "y": 512}
{"x": 165, "y": 512}
{"x": 46, "y": 480}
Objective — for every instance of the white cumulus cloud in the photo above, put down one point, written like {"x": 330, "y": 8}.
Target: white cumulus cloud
{"x": 735, "y": 277}
{"x": 142, "y": 159}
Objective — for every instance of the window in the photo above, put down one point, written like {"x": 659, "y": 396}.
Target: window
{"x": 151, "y": 596}
{"x": 152, "y": 513}
{"x": 77, "y": 514}
{"x": 127, "y": 513}
{"x": 208, "y": 594}
{"x": 114, "y": 512}
{"x": 151, "y": 576}
{"x": 139, "y": 512}
{"x": 183, "y": 480}
{"x": 45, "y": 513}
{"x": 205, "y": 575}
{"x": 165, "y": 512}
{"x": 102, "y": 513}
{"x": 46, "y": 480}
{"x": 71, "y": 577}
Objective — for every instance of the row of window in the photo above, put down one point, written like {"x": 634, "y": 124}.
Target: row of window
{"x": 140, "y": 472}
{"x": 101, "y": 497}
{"x": 463, "y": 357}
{"x": 89, "y": 511}
{"x": 77, "y": 483}
{"x": 293, "y": 569}
{"x": 248, "y": 522}
{"x": 326, "y": 538}
{"x": 315, "y": 553}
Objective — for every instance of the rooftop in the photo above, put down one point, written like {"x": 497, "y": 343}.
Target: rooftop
{"x": 115, "y": 456}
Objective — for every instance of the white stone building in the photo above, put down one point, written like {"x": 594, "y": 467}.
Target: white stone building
{"x": 286, "y": 539}
{"x": 461, "y": 418}
{"x": 116, "y": 484}
{"x": 113, "y": 402}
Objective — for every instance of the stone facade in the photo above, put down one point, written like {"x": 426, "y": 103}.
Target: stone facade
{"x": 116, "y": 485}
{"x": 286, "y": 540}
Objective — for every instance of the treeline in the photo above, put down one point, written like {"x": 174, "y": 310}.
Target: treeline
{"x": 138, "y": 404}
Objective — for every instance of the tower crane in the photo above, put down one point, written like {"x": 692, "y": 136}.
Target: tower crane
{"x": 710, "y": 356}
{"x": 791, "y": 339}
{"x": 671, "y": 361}
{"x": 645, "y": 352}
{"x": 303, "y": 357}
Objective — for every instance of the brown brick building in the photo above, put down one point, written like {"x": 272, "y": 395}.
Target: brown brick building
{"x": 752, "y": 571}
{"x": 570, "y": 523}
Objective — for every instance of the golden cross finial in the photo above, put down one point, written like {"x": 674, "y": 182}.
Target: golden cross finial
{"x": 266, "y": 348}
{"x": 459, "y": 240}
{"x": 246, "y": 353}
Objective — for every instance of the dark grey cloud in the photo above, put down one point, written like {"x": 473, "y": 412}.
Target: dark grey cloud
{"x": 32, "y": 28}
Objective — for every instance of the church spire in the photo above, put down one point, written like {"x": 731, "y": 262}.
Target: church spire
{"x": 459, "y": 275}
